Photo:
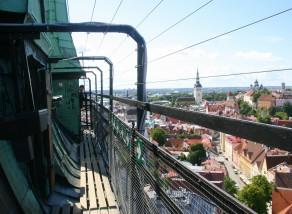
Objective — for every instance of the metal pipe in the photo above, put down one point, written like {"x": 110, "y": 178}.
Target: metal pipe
{"x": 103, "y": 58}
{"x": 88, "y": 67}
{"x": 95, "y": 27}
{"x": 101, "y": 86}
{"x": 86, "y": 104}
{"x": 95, "y": 79}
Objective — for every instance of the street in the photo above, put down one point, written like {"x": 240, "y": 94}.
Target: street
{"x": 230, "y": 171}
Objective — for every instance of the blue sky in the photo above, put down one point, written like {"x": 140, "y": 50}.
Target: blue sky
{"x": 266, "y": 45}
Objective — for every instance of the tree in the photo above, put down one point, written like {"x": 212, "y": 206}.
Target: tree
{"x": 273, "y": 110}
{"x": 214, "y": 96}
{"x": 182, "y": 157}
{"x": 264, "y": 118}
{"x": 257, "y": 194}
{"x": 244, "y": 108}
{"x": 197, "y": 154}
{"x": 252, "y": 196}
{"x": 282, "y": 115}
{"x": 230, "y": 186}
{"x": 256, "y": 96}
{"x": 196, "y": 157}
{"x": 159, "y": 135}
{"x": 259, "y": 93}
{"x": 262, "y": 182}
{"x": 287, "y": 107}
{"x": 195, "y": 147}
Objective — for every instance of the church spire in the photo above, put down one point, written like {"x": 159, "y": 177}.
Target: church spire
{"x": 198, "y": 78}
{"x": 198, "y": 84}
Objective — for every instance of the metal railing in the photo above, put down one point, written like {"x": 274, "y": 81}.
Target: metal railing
{"x": 269, "y": 135}
{"x": 145, "y": 177}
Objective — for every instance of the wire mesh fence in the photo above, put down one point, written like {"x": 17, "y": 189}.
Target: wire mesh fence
{"x": 142, "y": 180}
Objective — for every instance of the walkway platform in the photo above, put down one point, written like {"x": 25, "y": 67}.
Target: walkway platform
{"x": 96, "y": 195}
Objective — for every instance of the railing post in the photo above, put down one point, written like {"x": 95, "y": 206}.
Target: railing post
{"x": 156, "y": 170}
{"x": 111, "y": 88}
{"x": 132, "y": 170}
{"x": 109, "y": 145}
{"x": 90, "y": 103}
{"x": 86, "y": 115}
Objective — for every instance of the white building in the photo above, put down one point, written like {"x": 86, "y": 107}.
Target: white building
{"x": 281, "y": 101}
{"x": 198, "y": 94}
{"x": 248, "y": 97}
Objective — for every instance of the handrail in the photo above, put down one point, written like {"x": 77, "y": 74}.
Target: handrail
{"x": 269, "y": 135}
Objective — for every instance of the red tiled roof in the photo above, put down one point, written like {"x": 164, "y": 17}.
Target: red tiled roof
{"x": 239, "y": 146}
{"x": 207, "y": 142}
{"x": 215, "y": 107}
{"x": 249, "y": 93}
{"x": 174, "y": 142}
{"x": 287, "y": 210}
{"x": 213, "y": 175}
{"x": 274, "y": 160}
{"x": 231, "y": 104}
{"x": 283, "y": 179}
{"x": 277, "y": 152}
{"x": 193, "y": 141}
{"x": 213, "y": 165}
{"x": 233, "y": 140}
{"x": 171, "y": 174}
{"x": 279, "y": 122}
{"x": 266, "y": 97}
{"x": 281, "y": 200}
{"x": 253, "y": 150}
{"x": 260, "y": 160}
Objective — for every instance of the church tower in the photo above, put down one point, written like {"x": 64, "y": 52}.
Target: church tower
{"x": 198, "y": 94}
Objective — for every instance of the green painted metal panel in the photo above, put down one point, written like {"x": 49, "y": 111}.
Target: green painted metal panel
{"x": 17, "y": 6}
{"x": 45, "y": 43}
{"x": 17, "y": 180}
{"x": 68, "y": 111}
{"x": 34, "y": 9}
{"x": 53, "y": 44}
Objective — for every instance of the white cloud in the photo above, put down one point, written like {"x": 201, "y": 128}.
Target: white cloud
{"x": 256, "y": 55}
{"x": 273, "y": 39}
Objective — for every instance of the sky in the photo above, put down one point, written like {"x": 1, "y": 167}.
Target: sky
{"x": 266, "y": 45}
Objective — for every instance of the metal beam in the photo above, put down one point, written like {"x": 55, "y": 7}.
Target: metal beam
{"x": 269, "y": 135}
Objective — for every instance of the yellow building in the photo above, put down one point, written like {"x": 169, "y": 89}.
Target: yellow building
{"x": 251, "y": 153}
{"x": 222, "y": 142}
{"x": 266, "y": 101}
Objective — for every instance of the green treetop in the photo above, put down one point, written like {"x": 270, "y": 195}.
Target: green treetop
{"x": 257, "y": 194}
{"x": 230, "y": 186}
{"x": 197, "y": 154}
{"x": 159, "y": 135}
